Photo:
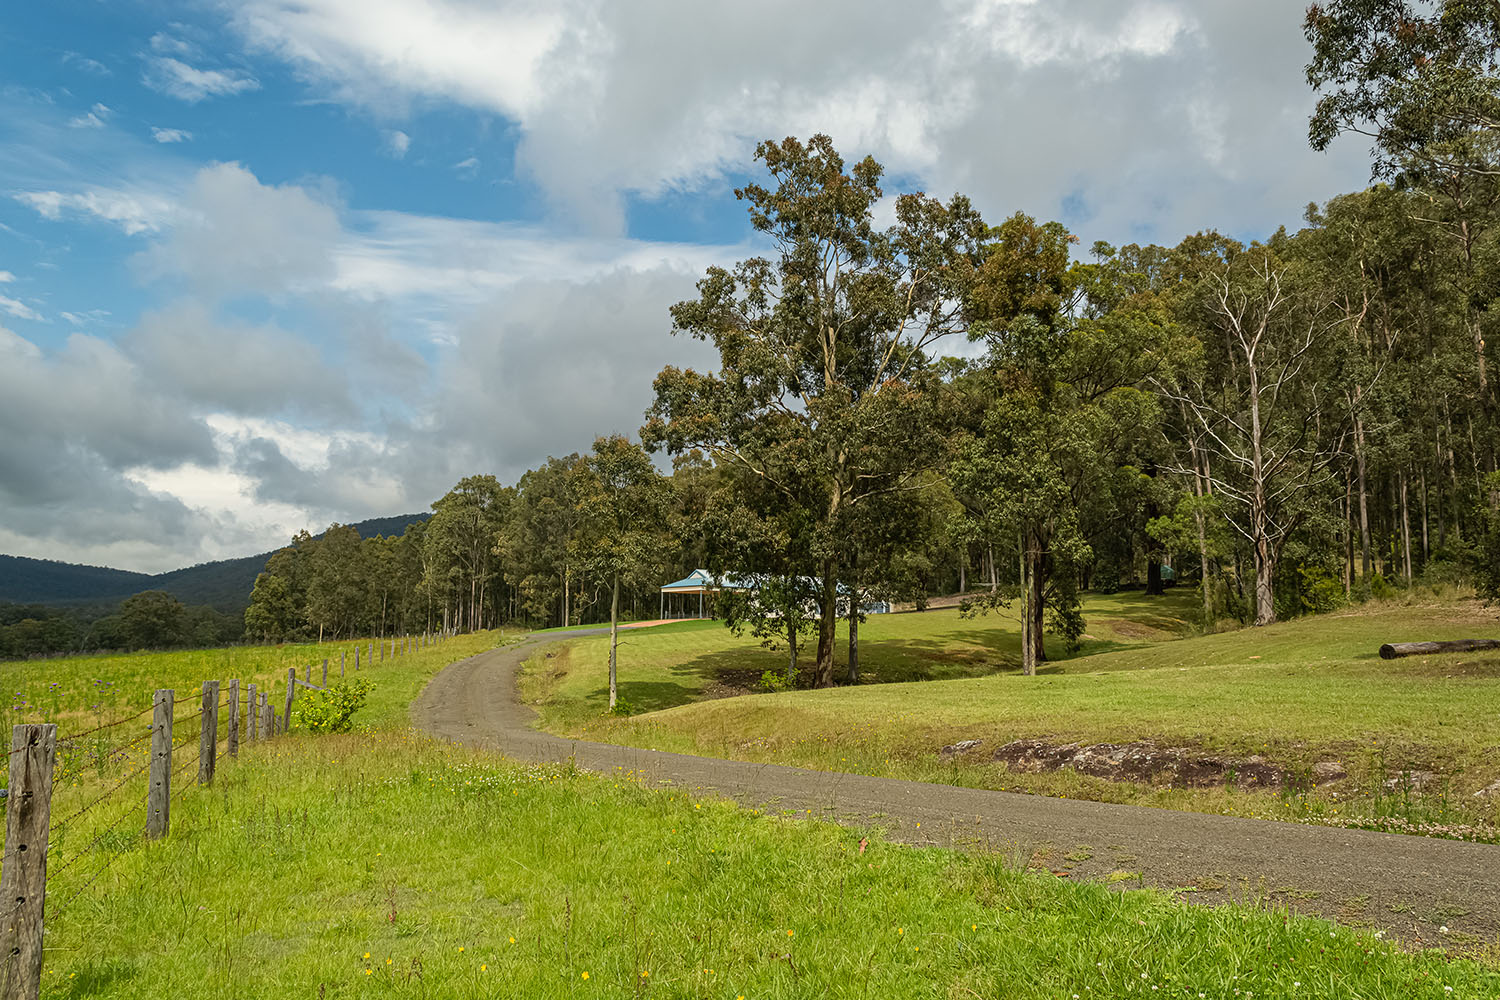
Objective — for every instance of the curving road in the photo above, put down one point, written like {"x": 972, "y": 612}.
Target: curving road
{"x": 1422, "y": 890}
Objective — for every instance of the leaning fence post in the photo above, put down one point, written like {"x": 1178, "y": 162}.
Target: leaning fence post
{"x": 291, "y": 691}
{"x": 356, "y": 659}
{"x": 208, "y": 741}
{"x": 234, "y": 718}
{"x": 267, "y": 717}
{"x": 23, "y": 883}
{"x": 159, "y": 796}
{"x": 325, "y": 671}
{"x": 252, "y": 714}
{"x": 342, "y": 654}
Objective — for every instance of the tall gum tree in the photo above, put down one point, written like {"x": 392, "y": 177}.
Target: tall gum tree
{"x": 824, "y": 388}
{"x": 625, "y": 506}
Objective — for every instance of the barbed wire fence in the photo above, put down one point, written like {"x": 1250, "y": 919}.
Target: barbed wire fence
{"x": 33, "y": 838}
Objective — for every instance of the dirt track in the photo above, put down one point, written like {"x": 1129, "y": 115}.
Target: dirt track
{"x": 1412, "y": 887}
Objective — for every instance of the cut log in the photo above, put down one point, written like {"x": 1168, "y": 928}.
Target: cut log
{"x": 1392, "y": 650}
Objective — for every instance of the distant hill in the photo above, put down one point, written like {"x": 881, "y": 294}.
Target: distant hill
{"x": 223, "y": 585}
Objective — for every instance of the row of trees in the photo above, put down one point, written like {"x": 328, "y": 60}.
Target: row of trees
{"x": 1287, "y": 423}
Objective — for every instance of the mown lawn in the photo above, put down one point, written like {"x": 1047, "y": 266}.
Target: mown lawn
{"x": 668, "y": 665}
{"x": 1295, "y": 693}
{"x": 380, "y": 864}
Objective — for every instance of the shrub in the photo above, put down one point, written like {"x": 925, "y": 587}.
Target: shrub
{"x": 332, "y": 710}
{"x": 774, "y": 681}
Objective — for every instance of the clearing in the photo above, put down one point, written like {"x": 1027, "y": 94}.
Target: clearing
{"x": 1301, "y": 720}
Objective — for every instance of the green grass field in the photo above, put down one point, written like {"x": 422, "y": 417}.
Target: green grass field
{"x": 380, "y": 864}
{"x": 1295, "y": 693}
{"x": 80, "y": 693}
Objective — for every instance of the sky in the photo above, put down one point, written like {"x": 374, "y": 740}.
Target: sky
{"x": 270, "y": 264}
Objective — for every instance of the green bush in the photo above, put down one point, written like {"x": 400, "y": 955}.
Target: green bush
{"x": 332, "y": 710}
{"x": 773, "y": 681}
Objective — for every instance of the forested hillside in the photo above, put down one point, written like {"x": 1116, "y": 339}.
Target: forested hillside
{"x": 223, "y": 585}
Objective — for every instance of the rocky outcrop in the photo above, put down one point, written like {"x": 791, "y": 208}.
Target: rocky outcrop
{"x": 1149, "y": 763}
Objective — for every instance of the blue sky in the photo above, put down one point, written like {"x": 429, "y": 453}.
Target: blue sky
{"x": 269, "y": 264}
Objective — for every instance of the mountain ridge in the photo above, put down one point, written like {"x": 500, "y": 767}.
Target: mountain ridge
{"x": 222, "y": 584}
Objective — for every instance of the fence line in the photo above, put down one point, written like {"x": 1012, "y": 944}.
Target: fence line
{"x": 29, "y": 830}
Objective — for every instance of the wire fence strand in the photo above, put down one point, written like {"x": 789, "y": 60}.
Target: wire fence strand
{"x": 133, "y": 774}
{"x": 107, "y": 725}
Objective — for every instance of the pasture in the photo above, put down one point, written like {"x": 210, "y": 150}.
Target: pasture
{"x": 1418, "y": 738}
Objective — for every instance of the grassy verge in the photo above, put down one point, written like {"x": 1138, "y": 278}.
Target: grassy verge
{"x": 379, "y": 864}
{"x": 1295, "y": 694}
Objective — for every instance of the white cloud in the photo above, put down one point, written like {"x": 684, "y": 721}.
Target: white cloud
{"x": 176, "y": 78}
{"x": 467, "y": 168}
{"x": 86, "y": 64}
{"x": 233, "y": 235}
{"x": 1165, "y": 116}
{"x": 395, "y": 142}
{"x": 175, "y": 45}
{"x": 18, "y": 309}
{"x": 133, "y": 211}
{"x": 94, "y": 118}
{"x": 6, "y": 277}
{"x": 170, "y": 134}
{"x": 86, "y": 317}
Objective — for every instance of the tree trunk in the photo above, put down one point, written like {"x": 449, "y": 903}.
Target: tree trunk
{"x": 1028, "y": 652}
{"x": 1198, "y": 489}
{"x": 827, "y": 623}
{"x": 963, "y": 571}
{"x": 1364, "y": 507}
{"x": 614, "y": 637}
{"x": 1037, "y": 603}
{"x": 1405, "y": 531}
{"x": 853, "y": 637}
{"x": 791, "y": 641}
{"x": 1426, "y": 549}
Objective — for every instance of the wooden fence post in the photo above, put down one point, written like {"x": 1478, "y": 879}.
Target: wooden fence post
{"x": 291, "y": 691}
{"x": 159, "y": 795}
{"x": 325, "y": 671}
{"x": 342, "y": 653}
{"x": 234, "y": 718}
{"x": 267, "y": 715}
{"x": 23, "y": 883}
{"x": 252, "y": 714}
{"x": 208, "y": 741}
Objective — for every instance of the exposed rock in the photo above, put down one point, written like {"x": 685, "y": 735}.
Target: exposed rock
{"x": 954, "y": 749}
{"x": 1180, "y": 767}
{"x": 1414, "y": 781}
{"x": 1325, "y": 771}
{"x": 1492, "y": 790}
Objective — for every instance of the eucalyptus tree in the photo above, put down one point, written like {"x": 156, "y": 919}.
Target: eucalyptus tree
{"x": 624, "y": 505}
{"x": 460, "y": 541}
{"x": 824, "y": 387}
{"x": 1268, "y": 425}
{"x": 539, "y": 543}
{"x": 1421, "y": 79}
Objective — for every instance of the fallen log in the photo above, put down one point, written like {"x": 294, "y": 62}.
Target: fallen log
{"x": 1392, "y": 650}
